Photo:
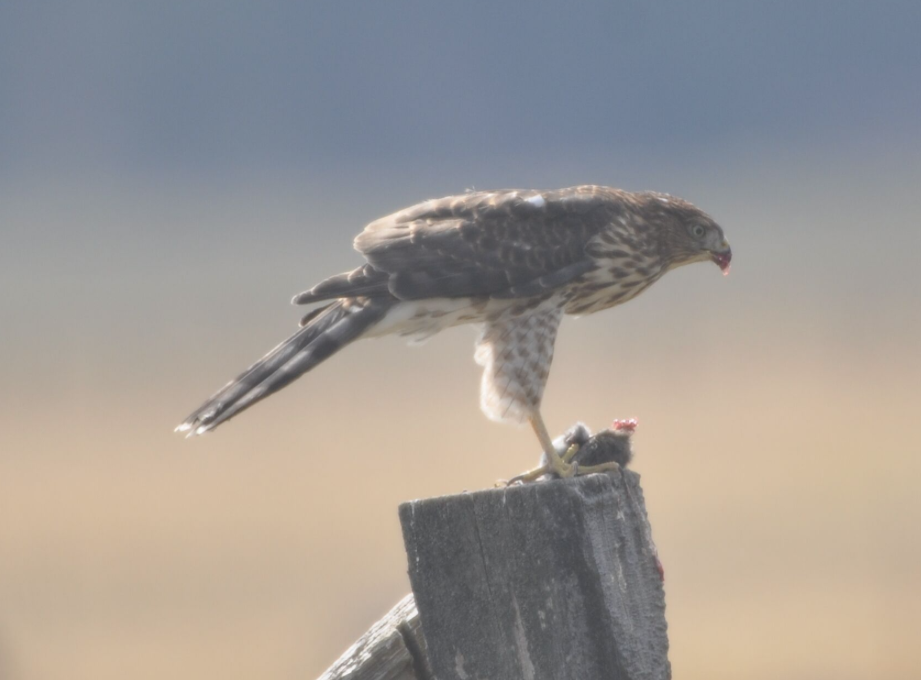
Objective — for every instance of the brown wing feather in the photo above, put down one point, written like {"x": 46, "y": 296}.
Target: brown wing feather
{"x": 365, "y": 281}
{"x": 511, "y": 243}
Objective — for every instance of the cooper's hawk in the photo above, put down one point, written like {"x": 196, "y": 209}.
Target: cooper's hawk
{"x": 512, "y": 261}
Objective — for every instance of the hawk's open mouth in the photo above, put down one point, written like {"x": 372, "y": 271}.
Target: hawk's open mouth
{"x": 723, "y": 259}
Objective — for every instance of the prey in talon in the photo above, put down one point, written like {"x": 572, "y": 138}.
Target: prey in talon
{"x": 585, "y": 453}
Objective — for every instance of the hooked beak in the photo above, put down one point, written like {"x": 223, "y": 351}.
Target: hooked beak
{"x": 723, "y": 257}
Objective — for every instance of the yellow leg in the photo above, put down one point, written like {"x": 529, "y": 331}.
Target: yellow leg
{"x": 554, "y": 461}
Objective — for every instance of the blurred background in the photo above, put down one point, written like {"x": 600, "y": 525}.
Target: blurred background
{"x": 171, "y": 173}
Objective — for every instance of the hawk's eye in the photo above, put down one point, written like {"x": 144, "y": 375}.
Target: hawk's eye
{"x": 698, "y": 230}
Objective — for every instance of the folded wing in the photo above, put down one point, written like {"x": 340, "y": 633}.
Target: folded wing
{"x": 502, "y": 244}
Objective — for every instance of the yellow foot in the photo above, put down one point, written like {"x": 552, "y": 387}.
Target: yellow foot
{"x": 561, "y": 467}
{"x": 554, "y": 464}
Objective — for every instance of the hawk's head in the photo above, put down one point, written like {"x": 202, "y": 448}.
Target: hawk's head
{"x": 687, "y": 234}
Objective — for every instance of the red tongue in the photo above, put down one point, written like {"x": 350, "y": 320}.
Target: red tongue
{"x": 723, "y": 260}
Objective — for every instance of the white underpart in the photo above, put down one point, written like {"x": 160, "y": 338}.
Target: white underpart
{"x": 537, "y": 201}
{"x": 419, "y": 320}
{"x": 515, "y": 349}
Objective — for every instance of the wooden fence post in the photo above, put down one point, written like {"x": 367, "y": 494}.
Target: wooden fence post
{"x": 392, "y": 650}
{"x": 546, "y": 581}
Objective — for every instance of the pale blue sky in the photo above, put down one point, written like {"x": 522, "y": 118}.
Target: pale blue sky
{"x": 213, "y": 87}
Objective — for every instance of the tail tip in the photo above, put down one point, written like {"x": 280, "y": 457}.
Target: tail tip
{"x": 193, "y": 428}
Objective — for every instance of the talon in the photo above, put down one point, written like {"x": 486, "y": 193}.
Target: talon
{"x": 601, "y": 467}
{"x": 528, "y": 476}
{"x": 561, "y": 469}
{"x": 571, "y": 453}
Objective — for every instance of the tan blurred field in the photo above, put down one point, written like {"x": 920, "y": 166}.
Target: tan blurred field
{"x": 779, "y": 438}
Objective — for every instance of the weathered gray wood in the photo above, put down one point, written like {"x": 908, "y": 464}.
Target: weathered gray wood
{"x": 555, "y": 579}
{"x": 392, "y": 650}
{"x": 551, "y": 580}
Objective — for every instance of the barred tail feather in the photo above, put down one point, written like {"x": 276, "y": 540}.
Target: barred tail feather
{"x": 326, "y": 332}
